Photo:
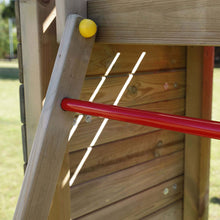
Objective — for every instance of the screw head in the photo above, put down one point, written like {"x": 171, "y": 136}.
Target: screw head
{"x": 88, "y": 118}
{"x": 159, "y": 143}
{"x": 175, "y": 186}
{"x": 166, "y": 86}
{"x": 157, "y": 153}
{"x": 165, "y": 191}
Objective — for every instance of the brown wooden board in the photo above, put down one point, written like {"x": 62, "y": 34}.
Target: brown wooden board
{"x": 31, "y": 67}
{"x": 143, "y": 203}
{"x": 115, "y": 130}
{"x": 98, "y": 193}
{"x": 64, "y": 8}
{"x": 144, "y": 88}
{"x": 157, "y": 58}
{"x": 171, "y": 212}
{"x": 115, "y": 156}
{"x": 197, "y": 149}
{"x": 170, "y": 22}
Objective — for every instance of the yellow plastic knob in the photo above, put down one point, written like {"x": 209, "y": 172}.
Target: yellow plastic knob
{"x": 87, "y": 28}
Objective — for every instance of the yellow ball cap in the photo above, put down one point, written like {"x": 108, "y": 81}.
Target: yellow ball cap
{"x": 87, "y": 28}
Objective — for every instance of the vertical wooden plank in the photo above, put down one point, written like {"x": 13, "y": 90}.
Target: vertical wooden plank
{"x": 197, "y": 149}
{"x": 208, "y": 66}
{"x": 31, "y": 67}
{"x": 66, "y": 7}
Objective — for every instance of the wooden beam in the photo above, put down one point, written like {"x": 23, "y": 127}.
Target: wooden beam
{"x": 66, "y": 7}
{"x": 60, "y": 207}
{"x": 173, "y": 22}
{"x": 157, "y": 58}
{"x": 31, "y": 67}
{"x": 52, "y": 134}
{"x": 197, "y": 149}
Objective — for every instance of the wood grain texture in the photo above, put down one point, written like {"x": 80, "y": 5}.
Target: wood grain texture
{"x": 144, "y": 88}
{"x": 45, "y": 46}
{"x": 115, "y": 156}
{"x": 171, "y": 212}
{"x": 31, "y": 67}
{"x": 157, "y": 58}
{"x": 193, "y": 143}
{"x": 141, "y": 204}
{"x": 188, "y": 22}
{"x": 37, "y": 65}
{"x": 60, "y": 207}
{"x": 47, "y": 155}
{"x": 208, "y": 68}
{"x": 197, "y": 149}
{"x": 48, "y": 46}
{"x": 115, "y": 130}
{"x": 93, "y": 195}
{"x": 65, "y": 8}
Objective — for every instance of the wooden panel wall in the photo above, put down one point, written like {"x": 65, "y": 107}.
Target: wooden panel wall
{"x": 129, "y": 164}
{"x": 132, "y": 171}
{"x": 173, "y": 22}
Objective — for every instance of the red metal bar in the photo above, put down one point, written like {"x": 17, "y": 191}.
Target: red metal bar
{"x": 183, "y": 124}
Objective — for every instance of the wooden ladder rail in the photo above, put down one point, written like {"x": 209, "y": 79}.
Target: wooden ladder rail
{"x": 52, "y": 133}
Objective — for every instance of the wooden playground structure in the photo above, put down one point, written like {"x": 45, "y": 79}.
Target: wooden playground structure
{"x": 155, "y": 60}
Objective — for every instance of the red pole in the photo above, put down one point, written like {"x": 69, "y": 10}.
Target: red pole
{"x": 183, "y": 124}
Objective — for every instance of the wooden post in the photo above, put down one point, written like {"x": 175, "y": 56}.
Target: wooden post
{"x": 66, "y": 7}
{"x": 31, "y": 67}
{"x": 52, "y": 134}
{"x": 197, "y": 149}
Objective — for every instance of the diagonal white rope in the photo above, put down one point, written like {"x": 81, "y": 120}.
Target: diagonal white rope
{"x": 97, "y": 135}
{"x": 80, "y": 117}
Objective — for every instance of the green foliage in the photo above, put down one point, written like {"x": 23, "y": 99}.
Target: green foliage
{"x": 4, "y": 40}
{"x": 9, "y": 10}
{"x": 4, "y": 32}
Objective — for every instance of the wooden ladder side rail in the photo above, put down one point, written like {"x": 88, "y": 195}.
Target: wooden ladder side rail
{"x": 52, "y": 133}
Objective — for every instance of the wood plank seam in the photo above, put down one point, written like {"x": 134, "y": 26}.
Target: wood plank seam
{"x": 113, "y": 126}
{"x": 149, "y": 161}
{"x": 138, "y": 73}
{"x": 156, "y": 212}
{"x": 128, "y": 157}
{"x": 179, "y": 177}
